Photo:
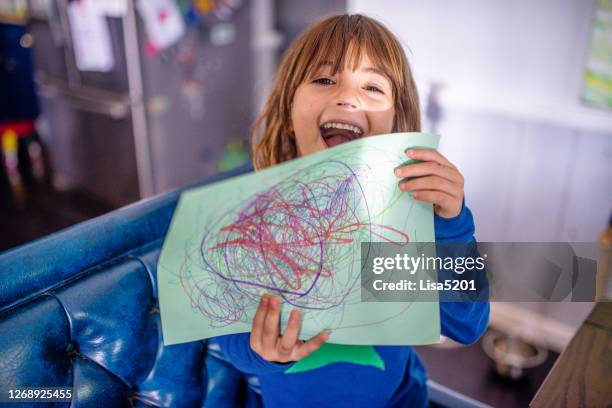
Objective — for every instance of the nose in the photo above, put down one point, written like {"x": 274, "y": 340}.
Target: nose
{"x": 346, "y": 104}
{"x": 346, "y": 97}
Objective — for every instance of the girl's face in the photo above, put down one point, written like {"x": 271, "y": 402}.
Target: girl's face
{"x": 331, "y": 109}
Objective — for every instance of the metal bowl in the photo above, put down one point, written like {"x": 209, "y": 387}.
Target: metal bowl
{"x": 511, "y": 354}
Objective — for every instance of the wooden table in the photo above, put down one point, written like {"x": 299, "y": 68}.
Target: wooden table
{"x": 582, "y": 376}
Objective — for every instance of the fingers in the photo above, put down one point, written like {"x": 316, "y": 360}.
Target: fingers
{"x": 435, "y": 180}
{"x": 429, "y": 155}
{"x": 265, "y": 338}
{"x": 258, "y": 322}
{"x": 312, "y": 345}
{"x": 288, "y": 342}
{"x": 430, "y": 168}
{"x": 432, "y": 183}
{"x": 271, "y": 324}
{"x": 448, "y": 206}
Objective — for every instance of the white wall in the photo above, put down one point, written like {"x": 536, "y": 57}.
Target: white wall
{"x": 531, "y": 181}
{"x": 521, "y": 57}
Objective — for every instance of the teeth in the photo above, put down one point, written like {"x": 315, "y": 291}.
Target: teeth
{"x": 337, "y": 125}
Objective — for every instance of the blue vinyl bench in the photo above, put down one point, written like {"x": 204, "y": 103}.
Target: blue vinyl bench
{"x": 79, "y": 309}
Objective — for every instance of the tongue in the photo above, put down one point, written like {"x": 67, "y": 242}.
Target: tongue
{"x": 333, "y": 136}
{"x": 335, "y": 140}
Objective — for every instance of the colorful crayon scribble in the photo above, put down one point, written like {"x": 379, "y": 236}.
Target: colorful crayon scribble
{"x": 288, "y": 240}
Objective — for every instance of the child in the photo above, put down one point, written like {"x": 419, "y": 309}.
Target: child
{"x": 347, "y": 77}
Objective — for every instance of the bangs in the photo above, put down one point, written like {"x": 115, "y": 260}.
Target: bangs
{"x": 343, "y": 41}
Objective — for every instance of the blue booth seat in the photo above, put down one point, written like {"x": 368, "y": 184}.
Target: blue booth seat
{"x": 79, "y": 309}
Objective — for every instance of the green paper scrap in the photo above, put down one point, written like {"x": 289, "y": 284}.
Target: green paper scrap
{"x": 338, "y": 353}
{"x": 295, "y": 230}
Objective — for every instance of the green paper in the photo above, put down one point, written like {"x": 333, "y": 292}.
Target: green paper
{"x": 295, "y": 230}
{"x": 338, "y": 353}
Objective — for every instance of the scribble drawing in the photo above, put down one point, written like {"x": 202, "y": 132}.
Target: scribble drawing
{"x": 290, "y": 240}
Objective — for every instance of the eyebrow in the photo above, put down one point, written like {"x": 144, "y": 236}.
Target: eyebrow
{"x": 373, "y": 70}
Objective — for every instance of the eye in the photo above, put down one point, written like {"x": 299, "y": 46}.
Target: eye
{"x": 323, "y": 81}
{"x": 374, "y": 89}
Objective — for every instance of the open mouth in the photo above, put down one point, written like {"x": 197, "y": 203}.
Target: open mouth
{"x": 335, "y": 133}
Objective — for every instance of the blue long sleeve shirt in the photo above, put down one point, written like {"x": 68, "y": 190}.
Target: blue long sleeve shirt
{"x": 401, "y": 383}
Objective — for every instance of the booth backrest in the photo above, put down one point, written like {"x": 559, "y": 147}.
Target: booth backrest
{"x": 79, "y": 309}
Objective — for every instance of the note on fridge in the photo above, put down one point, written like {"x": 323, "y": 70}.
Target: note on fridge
{"x": 93, "y": 50}
{"x": 163, "y": 22}
{"x": 111, "y": 8}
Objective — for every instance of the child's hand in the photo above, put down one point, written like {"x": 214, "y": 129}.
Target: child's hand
{"x": 437, "y": 181}
{"x": 265, "y": 339}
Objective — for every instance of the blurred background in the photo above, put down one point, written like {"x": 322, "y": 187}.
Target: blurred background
{"x": 105, "y": 102}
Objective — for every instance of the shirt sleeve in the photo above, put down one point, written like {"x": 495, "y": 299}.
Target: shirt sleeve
{"x": 236, "y": 349}
{"x": 463, "y": 321}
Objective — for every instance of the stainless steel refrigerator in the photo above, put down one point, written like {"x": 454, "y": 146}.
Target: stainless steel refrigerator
{"x": 156, "y": 120}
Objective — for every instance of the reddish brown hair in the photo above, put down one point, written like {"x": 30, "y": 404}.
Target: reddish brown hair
{"x": 334, "y": 39}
